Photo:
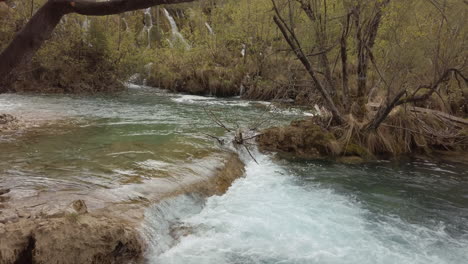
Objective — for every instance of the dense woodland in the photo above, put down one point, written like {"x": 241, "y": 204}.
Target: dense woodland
{"x": 388, "y": 76}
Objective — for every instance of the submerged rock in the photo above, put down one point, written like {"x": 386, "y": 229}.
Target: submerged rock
{"x": 4, "y": 191}
{"x": 6, "y": 118}
{"x": 77, "y": 207}
{"x": 8, "y": 123}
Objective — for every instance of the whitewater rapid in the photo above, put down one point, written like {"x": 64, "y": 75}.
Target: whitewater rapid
{"x": 270, "y": 216}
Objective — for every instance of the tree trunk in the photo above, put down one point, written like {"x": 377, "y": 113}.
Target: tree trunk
{"x": 40, "y": 27}
{"x": 366, "y": 34}
{"x": 292, "y": 40}
{"x": 344, "y": 65}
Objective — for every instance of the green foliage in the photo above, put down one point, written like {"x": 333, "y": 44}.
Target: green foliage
{"x": 416, "y": 40}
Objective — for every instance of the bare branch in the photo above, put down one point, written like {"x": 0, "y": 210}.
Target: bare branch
{"x": 432, "y": 88}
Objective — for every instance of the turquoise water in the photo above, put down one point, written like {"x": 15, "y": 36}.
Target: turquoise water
{"x": 321, "y": 212}
{"x": 106, "y": 141}
{"x": 281, "y": 211}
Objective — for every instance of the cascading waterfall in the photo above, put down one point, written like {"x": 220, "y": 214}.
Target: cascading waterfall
{"x": 270, "y": 216}
{"x": 148, "y": 71}
{"x": 210, "y": 29}
{"x": 127, "y": 28}
{"x": 85, "y": 29}
{"x": 176, "y": 35}
{"x": 85, "y": 25}
{"x": 148, "y": 25}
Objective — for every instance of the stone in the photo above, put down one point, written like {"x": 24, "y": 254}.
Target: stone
{"x": 4, "y": 191}
{"x": 77, "y": 207}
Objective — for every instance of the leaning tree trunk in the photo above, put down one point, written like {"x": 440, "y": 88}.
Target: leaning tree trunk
{"x": 295, "y": 46}
{"x": 42, "y": 24}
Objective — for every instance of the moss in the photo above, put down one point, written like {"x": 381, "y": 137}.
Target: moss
{"x": 356, "y": 150}
{"x": 350, "y": 160}
{"x": 302, "y": 138}
{"x": 72, "y": 217}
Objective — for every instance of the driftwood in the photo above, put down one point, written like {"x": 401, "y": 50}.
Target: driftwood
{"x": 238, "y": 140}
{"x": 386, "y": 108}
{"x": 429, "y": 111}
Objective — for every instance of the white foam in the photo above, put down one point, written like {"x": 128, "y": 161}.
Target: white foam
{"x": 190, "y": 99}
{"x": 154, "y": 165}
{"x": 267, "y": 218}
{"x": 195, "y": 99}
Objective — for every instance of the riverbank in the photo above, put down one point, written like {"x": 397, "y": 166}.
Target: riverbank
{"x": 404, "y": 133}
{"x": 144, "y": 163}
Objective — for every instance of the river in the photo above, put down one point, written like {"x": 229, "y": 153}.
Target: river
{"x": 281, "y": 211}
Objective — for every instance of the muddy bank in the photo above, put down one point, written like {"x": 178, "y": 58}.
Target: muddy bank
{"x": 35, "y": 230}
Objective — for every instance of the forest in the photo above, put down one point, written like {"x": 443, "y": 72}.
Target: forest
{"x": 378, "y": 68}
{"x": 174, "y": 130}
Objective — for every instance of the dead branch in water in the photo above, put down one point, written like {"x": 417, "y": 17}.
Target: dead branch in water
{"x": 238, "y": 139}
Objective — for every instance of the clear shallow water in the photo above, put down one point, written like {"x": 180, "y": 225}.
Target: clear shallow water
{"x": 282, "y": 211}
{"x": 103, "y": 142}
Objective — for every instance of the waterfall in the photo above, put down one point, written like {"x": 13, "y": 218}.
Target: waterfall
{"x": 176, "y": 35}
{"x": 85, "y": 25}
{"x": 85, "y": 30}
{"x": 210, "y": 29}
{"x": 148, "y": 25}
{"x": 127, "y": 29}
{"x": 148, "y": 68}
{"x": 241, "y": 90}
{"x": 243, "y": 50}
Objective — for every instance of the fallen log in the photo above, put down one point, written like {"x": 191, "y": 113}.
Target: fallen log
{"x": 429, "y": 111}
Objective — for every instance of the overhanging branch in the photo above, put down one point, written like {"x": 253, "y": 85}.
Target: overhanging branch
{"x": 40, "y": 27}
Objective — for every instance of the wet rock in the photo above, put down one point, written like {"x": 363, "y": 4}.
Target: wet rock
{"x": 4, "y": 191}
{"x": 8, "y": 122}
{"x": 7, "y": 216}
{"x": 179, "y": 231}
{"x": 57, "y": 232}
{"x": 85, "y": 239}
{"x": 79, "y": 206}
{"x": 6, "y": 118}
